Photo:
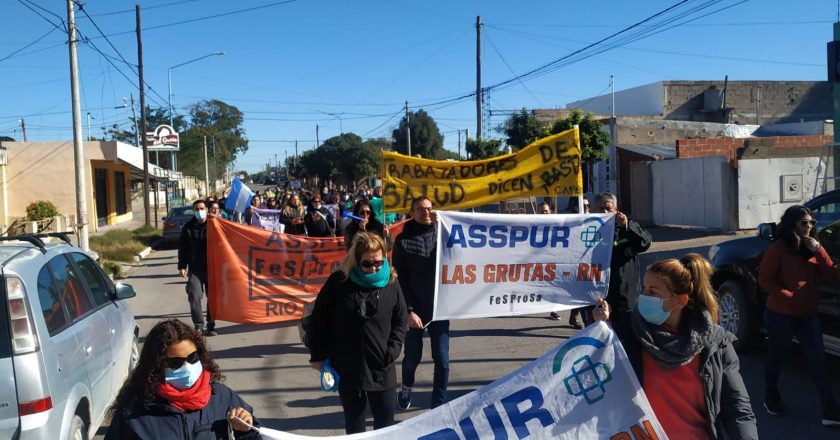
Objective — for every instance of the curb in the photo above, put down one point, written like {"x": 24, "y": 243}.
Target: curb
{"x": 145, "y": 252}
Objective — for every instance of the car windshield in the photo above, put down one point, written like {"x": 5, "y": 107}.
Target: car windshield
{"x": 181, "y": 212}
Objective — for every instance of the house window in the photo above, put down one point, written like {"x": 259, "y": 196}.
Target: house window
{"x": 119, "y": 189}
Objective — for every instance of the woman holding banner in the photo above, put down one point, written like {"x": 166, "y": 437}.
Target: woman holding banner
{"x": 358, "y": 323}
{"x": 683, "y": 359}
{"x": 368, "y": 223}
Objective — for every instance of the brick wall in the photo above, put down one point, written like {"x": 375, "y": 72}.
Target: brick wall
{"x": 728, "y": 147}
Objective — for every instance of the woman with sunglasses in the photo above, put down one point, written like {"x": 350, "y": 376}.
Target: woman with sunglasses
{"x": 683, "y": 359}
{"x": 788, "y": 274}
{"x": 359, "y": 324}
{"x": 369, "y": 223}
{"x": 175, "y": 392}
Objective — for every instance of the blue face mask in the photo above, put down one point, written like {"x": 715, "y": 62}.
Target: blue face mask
{"x": 200, "y": 215}
{"x": 184, "y": 377}
{"x": 652, "y": 309}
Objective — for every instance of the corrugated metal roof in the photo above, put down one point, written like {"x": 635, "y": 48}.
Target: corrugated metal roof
{"x": 657, "y": 151}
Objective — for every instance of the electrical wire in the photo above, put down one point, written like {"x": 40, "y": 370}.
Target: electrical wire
{"x": 28, "y": 45}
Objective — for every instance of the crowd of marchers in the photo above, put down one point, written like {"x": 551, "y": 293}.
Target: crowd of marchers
{"x": 373, "y": 310}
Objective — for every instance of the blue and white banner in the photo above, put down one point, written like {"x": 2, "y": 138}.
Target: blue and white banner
{"x": 268, "y": 219}
{"x": 582, "y": 389}
{"x": 505, "y": 264}
{"x": 239, "y": 197}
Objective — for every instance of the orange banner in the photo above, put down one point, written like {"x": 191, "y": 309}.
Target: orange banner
{"x": 258, "y": 276}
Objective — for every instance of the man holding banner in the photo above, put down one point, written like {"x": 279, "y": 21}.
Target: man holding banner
{"x": 415, "y": 254}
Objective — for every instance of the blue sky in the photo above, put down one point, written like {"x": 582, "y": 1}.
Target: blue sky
{"x": 350, "y": 65}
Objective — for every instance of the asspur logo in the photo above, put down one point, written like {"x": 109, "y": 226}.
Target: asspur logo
{"x": 587, "y": 379}
{"x": 591, "y": 235}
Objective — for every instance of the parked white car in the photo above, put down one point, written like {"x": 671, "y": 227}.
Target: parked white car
{"x": 67, "y": 340}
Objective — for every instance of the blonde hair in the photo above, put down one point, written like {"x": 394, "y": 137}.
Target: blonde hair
{"x": 364, "y": 242}
{"x": 690, "y": 275}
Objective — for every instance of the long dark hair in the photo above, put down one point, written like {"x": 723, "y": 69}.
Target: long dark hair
{"x": 786, "y": 230}
{"x": 361, "y": 204}
{"x": 144, "y": 381}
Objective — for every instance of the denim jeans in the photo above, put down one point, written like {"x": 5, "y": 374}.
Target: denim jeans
{"x": 196, "y": 288}
{"x": 439, "y": 335}
{"x": 780, "y": 331}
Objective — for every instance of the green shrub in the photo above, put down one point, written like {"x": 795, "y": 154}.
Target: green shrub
{"x": 113, "y": 269}
{"x": 116, "y": 245}
{"x": 40, "y": 210}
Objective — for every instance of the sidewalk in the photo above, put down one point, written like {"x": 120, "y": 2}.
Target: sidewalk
{"x": 137, "y": 221}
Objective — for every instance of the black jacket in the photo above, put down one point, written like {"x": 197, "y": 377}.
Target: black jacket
{"x": 728, "y": 408}
{"x": 624, "y": 267}
{"x": 192, "y": 249}
{"x": 415, "y": 251}
{"x": 158, "y": 420}
{"x": 362, "y": 350}
{"x": 374, "y": 226}
{"x": 321, "y": 223}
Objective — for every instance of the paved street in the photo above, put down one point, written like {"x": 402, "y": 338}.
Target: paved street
{"x": 268, "y": 365}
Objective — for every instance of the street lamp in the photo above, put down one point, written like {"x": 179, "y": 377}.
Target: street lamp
{"x": 169, "y": 78}
{"x": 337, "y": 116}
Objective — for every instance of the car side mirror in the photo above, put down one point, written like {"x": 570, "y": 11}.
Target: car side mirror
{"x": 766, "y": 230}
{"x": 124, "y": 291}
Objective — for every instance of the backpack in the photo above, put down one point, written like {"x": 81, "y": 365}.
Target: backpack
{"x": 307, "y": 322}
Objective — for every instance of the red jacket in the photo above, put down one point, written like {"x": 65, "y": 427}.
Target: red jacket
{"x": 791, "y": 281}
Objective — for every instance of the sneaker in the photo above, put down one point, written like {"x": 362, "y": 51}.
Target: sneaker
{"x": 210, "y": 332}
{"x": 404, "y": 398}
{"x": 554, "y": 316}
{"x": 831, "y": 417}
{"x": 774, "y": 405}
{"x": 575, "y": 323}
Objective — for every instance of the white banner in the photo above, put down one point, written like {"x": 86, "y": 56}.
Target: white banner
{"x": 582, "y": 389}
{"x": 268, "y": 219}
{"x": 505, "y": 264}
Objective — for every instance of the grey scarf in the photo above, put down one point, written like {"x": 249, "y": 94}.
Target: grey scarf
{"x": 674, "y": 350}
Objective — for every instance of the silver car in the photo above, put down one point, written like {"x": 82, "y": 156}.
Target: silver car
{"x": 67, "y": 340}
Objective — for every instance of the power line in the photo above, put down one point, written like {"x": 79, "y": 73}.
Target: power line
{"x": 499, "y": 53}
{"x": 145, "y": 8}
{"x": 28, "y": 45}
{"x": 209, "y": 17}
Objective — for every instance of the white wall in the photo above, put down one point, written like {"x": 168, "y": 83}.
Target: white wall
{"x": 692, "y": 192}
{"x": 760, "y": 188}
{"x": 642, "y": 100}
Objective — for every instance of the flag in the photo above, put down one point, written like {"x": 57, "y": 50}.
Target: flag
{"x": 239, "y": 197}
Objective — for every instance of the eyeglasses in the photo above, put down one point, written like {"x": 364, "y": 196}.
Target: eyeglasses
{"x": 175, "y": 363}
{"x": 423, "y": 208}
{"x": 372, "y": 263}
{"x": 810, "y": 223}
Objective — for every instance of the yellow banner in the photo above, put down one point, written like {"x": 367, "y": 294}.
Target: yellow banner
{"x": 548, "y": 167}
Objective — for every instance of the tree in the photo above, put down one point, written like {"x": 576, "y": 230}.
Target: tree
{"x": 523, "y": 128}
{"x": 593, "y": 140}
{"x": 483, "y": 149}
{"x": 426, "y": 139}
{"x": 6, "y": 139}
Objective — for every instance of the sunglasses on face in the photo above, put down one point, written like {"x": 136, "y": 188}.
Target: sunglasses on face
{"x": 364, "y": 212}
{"x": 372, "y": 263}
{"x": 175, "y": 363}
{"x": 804, "y": 223}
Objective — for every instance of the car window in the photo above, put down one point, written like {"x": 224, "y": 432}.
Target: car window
{"x": 51, "y": 306}
{"x": 69, "y": 287}
{"x": 178, "y": 212}
{"x": 93, "y": 277}
{"x": 827, "y": 216}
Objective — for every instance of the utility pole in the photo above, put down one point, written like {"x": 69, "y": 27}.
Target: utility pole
{"x": 296, "y": 154}
{"x": 459, "y": 144}
{"x": 142, "y": 117}
{"x": 317, "y": 138}
{"x": 206, "y": 171}
{"x": 408, "y": 128}
{"x": 78, "y": 147}
{"x": 90, "y": 138}
{"x": 23, "y": 128}
{"x": 467, "y": 139}
{"x": 136, "y": 125}
{"x": 478, "y": 94}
